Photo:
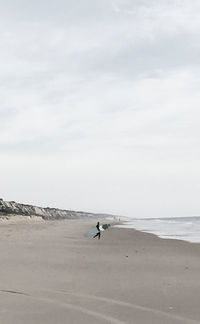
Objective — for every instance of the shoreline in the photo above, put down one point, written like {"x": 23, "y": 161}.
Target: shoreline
{"x": 159, "y": 237}
{"x": 51, "y": 273}
{"x": 185, "y": 230}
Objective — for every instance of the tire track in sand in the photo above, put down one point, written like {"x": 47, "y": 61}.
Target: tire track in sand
{"x": 96, "y": 314}
{"x": 134, "y": 306}
{"x": 61, "y": 304}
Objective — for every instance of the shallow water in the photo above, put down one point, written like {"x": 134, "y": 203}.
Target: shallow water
{"x": 181, "y": 228}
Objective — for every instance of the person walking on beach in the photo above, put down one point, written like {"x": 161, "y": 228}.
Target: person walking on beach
{"x": 99, "y": 233}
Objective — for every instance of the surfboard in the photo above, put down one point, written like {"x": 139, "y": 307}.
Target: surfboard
{"x": 91, "y": 232}
{"x": 94, "y": 230}
{"x": 105, "y": 226}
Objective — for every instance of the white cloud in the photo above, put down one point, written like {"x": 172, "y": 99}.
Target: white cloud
{"x": 100, "y": 103}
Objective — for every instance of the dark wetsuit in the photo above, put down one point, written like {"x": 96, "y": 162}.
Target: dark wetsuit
{"x": 99, "y": 233}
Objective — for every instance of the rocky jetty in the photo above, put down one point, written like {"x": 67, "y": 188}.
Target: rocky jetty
{"x": 11, "y": 208}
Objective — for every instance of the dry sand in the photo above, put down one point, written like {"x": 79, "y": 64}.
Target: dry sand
{"x": 50, "y": 273}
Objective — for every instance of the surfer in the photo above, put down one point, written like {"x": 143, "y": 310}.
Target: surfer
{"x": 99, "y": 233}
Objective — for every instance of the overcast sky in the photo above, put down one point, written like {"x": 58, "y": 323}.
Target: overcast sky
{"x": 100, "y": 105}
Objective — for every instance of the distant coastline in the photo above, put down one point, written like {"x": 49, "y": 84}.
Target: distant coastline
{"x": 12, "y": 208}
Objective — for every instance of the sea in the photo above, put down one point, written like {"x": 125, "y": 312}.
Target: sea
{"x": 178, "y": 228}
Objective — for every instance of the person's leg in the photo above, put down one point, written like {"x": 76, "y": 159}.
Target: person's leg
{"x": 98, "y": 234}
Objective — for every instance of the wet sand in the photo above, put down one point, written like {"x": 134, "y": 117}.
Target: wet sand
{"x": 50, "y": 273}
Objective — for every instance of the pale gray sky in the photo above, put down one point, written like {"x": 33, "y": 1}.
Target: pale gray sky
{"x": 100, "y": 105}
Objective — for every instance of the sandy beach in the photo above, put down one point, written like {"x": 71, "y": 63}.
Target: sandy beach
{"x": 50, "y": 273}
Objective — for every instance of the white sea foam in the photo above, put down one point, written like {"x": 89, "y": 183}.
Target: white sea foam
{"x": 181, "y": 228}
